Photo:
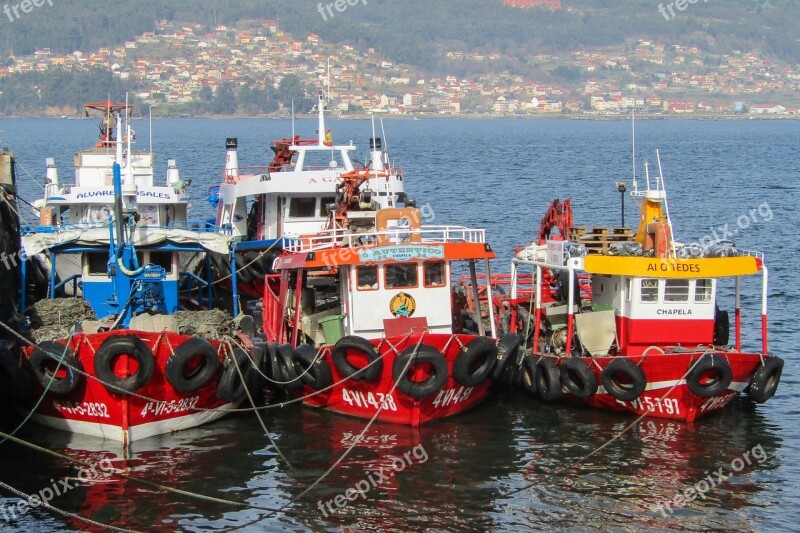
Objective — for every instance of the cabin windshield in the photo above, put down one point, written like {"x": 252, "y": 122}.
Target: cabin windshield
{"x": 321, "y": 160}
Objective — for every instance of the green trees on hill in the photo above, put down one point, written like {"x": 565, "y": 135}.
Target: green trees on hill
{"x": 415, "y": 31}
{"x": 63, "y": 92}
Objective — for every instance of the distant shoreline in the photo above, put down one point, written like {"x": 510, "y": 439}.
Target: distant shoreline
{"x": 368, "y": 116}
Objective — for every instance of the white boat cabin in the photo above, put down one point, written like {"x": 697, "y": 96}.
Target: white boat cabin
{"x": 402, "y": 284}
{"x": 293, "y": 195}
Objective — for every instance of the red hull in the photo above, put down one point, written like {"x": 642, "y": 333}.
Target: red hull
{"x": 362, "y": 399}
{"x": 93, "y": 409}
{"x": 667, "y": 395}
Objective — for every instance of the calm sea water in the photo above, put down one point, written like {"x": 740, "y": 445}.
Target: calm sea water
{"x": 514, "y": 463}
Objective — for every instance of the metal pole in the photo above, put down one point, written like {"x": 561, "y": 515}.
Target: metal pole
{"x": 474, "y": 280}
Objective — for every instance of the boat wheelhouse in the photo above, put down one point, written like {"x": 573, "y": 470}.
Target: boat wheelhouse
{"x": 291, "y": 195}
{"x": 636, "y": 323}
{"x": 89, "y": 202}
{"x": 365, "y": 322}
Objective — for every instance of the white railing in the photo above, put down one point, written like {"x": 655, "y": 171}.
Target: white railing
{"x": 427, "y": 235}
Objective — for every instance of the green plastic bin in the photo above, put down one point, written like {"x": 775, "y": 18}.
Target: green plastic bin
{"x": 332, "y": 328}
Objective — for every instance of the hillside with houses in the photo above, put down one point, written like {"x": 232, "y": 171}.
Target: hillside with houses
{"x": 257, "y": 67}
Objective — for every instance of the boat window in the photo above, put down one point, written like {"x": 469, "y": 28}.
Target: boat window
{"x": 323, "y": 205}
{"x": 434, "y": 274}
{"x": 302, "y": 207}
{"x": 401, "y": 276}
{"x": 162, "y": 259}
{"x": 649, "y": 290}
{"x": 676, "y": 290}
{"x": 321, "y": 160}
{"x": 702, "y": 290}
{"x": 97, "y": 263}
{"x": 367, "y": 278}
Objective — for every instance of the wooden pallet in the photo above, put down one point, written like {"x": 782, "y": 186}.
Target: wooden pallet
{"x": 597, "y": 240}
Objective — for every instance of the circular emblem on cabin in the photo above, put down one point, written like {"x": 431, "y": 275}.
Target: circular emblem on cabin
{"x": 402, "y": 304}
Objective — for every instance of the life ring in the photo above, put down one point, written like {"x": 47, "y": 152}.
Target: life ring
{"x": 548, "y": 379}
{"x": 578, "y": 378}
{"x": 711, "y": 385}
{"x": 528, "y": 375}
{"x": 48, "y": 354}
{"x": 766, "y": 379}
{"x": 507, "y": 351}
{"x": 128, "y": 345}
{"x": 359, "y": 344}
{"x": 288, "y": 373}
{"x": 232, "y": 387}
{"x": 475, "y": 362}
{"x": 193, "y": 365}
{"x": 632, "y": 383}
{"x": 422, "y": 354}
{"x": 15, "y": 380}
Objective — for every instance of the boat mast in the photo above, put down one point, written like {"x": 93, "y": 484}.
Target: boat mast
{"x": 666, "y": 206}
{"x": 321, "y": 113}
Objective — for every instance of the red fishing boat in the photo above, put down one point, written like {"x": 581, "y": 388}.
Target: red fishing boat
{"x": 363, "y": 321}
{"x": 634, "y": 323}
{"x": 158, "y": 359}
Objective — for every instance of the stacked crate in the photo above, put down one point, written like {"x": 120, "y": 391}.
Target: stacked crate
{"x": 598, "y": 239}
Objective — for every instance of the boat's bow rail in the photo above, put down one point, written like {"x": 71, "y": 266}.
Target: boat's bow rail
{"x": 401, "y": 235}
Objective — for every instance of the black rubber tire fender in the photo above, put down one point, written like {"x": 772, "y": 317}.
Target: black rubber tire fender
{"x": 632, "y": 387}
{"x": 187, "y": 352}
{"x": 707, "y": 363}
{"x": 528, "y": 375}
{"x": 465, "y": 370}
{"x": 271, "y": 367}
{"x": 51, "y": 352}
{"x": 578, "y": 378}
{"x": 314, "y": 371}
{"x": 422, "y": 354}
{"x": 131, "y": 346}
{"x": 548, "y": 379}
{"x": 288, "y": 373}
{"x": 766, "y": 379}
{"x": 507, "y": 359}
{"x": 231, "y": 387}
{"x": 352, "y": 342}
